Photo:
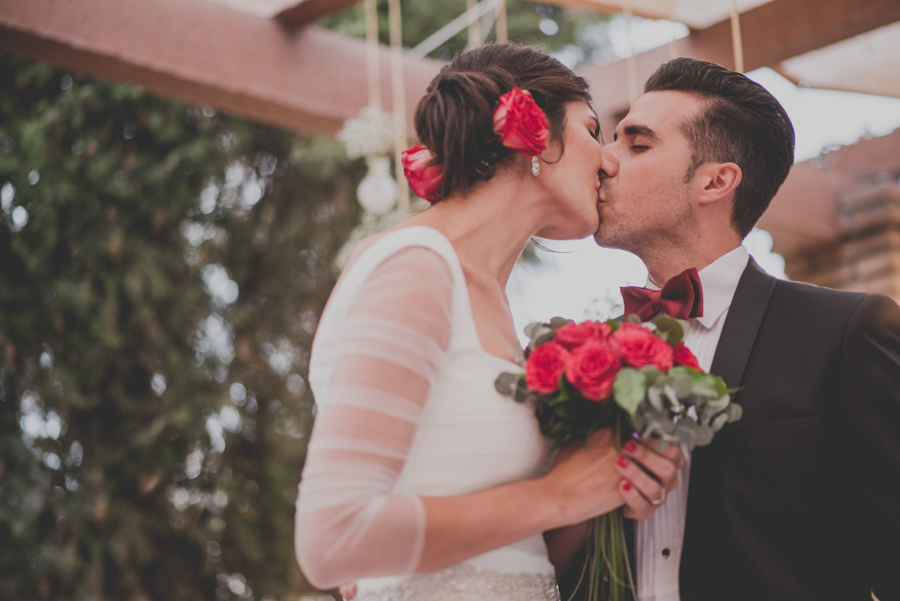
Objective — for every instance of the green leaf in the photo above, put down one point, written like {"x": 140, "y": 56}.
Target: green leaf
{"x": 505, "y": 384}
{"x": 629, "y": 389}
{"x": 672, "y": 330}
{"x": 735, "y": 412}
{"x": 558, "y": 322}
{"x": 530, "y": 328}
{"x": 633, "y": 318}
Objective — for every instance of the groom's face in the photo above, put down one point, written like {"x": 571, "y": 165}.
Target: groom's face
{"x": 645, "y": 198}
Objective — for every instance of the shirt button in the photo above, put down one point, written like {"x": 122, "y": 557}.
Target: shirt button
{"x": 666, "y": 553}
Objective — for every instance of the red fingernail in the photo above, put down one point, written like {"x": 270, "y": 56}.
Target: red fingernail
{"x": 622, "y": 462}
{"x": 626, "y": 485}
{"x": 630, "y": 447}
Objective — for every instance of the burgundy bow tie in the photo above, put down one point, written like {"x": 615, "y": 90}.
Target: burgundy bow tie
{"x": 681, "y": 297}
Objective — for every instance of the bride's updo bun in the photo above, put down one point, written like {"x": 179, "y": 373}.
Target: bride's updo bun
{"x": 455, "y": 117}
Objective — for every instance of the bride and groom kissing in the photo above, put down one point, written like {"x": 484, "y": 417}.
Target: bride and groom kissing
{"x": 422, "y": 482}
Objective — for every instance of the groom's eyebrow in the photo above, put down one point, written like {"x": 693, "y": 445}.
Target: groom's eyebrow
{"x": 640, "y": 130}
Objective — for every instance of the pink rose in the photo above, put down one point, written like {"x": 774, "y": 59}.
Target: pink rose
{"x": 683, "y": 356}
{"x": 425, "y": 178}
{"x": 520, "y": 123}
{"x": 573, "y": 335}
{"x": 638, "y": 346}
{"x": 592, "y": 369}
{"x": 544, "y": 367}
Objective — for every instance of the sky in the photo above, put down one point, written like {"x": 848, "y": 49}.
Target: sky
{"x": 582, "y": 280}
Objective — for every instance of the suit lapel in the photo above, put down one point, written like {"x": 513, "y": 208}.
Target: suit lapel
{"x": 751, "y": 299}
{"x": 705, "y": 520}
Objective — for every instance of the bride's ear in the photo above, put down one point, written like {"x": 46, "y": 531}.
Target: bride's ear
{"x": 719, "y": 181}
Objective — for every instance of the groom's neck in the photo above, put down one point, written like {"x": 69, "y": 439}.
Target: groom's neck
{"x": 668, "y": 263}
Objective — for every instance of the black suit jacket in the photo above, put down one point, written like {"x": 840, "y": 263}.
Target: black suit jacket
{"x": 800, "y": 499}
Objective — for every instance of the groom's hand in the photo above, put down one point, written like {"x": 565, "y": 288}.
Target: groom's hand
{"x": 649, "y": 475}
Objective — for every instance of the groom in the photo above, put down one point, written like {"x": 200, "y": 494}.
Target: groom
{"x": 800, "y": 499}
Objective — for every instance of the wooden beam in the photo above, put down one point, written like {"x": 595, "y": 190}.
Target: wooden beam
{"x": 771, "y": 33}
{"x": 307, "y": 11}
{"x": 309, "y": 79}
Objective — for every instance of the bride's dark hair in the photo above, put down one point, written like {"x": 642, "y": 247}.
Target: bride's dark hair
{"x": 455, "y": 117}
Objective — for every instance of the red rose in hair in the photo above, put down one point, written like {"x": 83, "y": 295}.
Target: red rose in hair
{"x": 573, "y": 335}
{"x": 425, "y": 178}
{"x": 592, "y": 369}
{"x": 544, "y": 366}
{"x": 520, "y": 123}
{"x": 638, "y": 347}
{"x": 683, "y": 356}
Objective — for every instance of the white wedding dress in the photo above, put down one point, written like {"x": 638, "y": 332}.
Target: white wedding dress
{"x": 413, "y": 413}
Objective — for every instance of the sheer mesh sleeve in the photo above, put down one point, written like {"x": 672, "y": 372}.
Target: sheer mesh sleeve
{"x": 390, "y": 345}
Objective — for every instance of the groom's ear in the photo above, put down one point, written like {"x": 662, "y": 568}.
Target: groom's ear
{"x": 719, "y": 181}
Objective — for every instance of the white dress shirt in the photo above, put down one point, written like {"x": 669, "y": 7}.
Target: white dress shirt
{"x": 659, "y": 540}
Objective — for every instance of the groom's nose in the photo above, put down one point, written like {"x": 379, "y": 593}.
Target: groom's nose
{"x": 609, "y": 166}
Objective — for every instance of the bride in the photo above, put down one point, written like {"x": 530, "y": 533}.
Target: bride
{"x": 421, "y": 481}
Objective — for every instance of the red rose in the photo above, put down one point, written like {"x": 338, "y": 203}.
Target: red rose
{"x": 520, "y": 123}
{"x": 683, "y": 356}
{"x": 544, "y": 366}
{"x": 592, "y": 369}
{"x": 573, "y": 335}
{"x": 425, "y": 178}
{"x": 638, "y": 347}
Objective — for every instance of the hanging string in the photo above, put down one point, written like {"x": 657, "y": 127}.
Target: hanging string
{"x": 673, "y": 44}
{"x": 474, "y": 27}
{"x": 736, "y": 38}
{"x": 398, "y": 92}
{"x": 372, "y": 55}
{"x": 630, "y": 62}
{"x": 502, "y": 33}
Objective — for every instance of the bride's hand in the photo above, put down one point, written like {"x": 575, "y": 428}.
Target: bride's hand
{"x": 585, "y": 478}
{"x": 649, "y": 474}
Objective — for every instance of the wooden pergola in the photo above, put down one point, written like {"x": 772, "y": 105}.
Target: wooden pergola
{"x": 266, "y": 60}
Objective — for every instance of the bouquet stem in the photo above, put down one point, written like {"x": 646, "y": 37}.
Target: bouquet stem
{"x": 610, "y": 574}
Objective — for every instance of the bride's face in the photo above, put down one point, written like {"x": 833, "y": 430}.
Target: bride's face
{"x": 572, "y": 183}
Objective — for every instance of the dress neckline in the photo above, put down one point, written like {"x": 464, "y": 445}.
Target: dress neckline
{"x": 462, "y": 274}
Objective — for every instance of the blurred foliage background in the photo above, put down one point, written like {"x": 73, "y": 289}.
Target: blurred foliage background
{"x": 162, "y": 269}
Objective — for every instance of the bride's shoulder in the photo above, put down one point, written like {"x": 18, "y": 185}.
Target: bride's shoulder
{"x": 426, "y": 244}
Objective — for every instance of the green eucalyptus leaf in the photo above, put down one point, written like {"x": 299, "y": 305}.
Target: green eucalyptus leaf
{"x": 682, "y": 386}
{"x": 633, "y": 318}
{"x": 704, "y": 435}
{"x": 653, "y": 374}
{"x": 629, "y": 389}
{"x": 530, "y": 328}
{"x": 558, "y": 322}
{"x": 506, "y": 383}
{"x": 706, "y": 385}
{"x": 734, "y": 412}
{"x": 544, "y": 337}
{"x": 671, "y": 329}
{"x": 719, "y": 421}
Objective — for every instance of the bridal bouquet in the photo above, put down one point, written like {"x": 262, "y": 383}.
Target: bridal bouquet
{"x": 629, "y": 376}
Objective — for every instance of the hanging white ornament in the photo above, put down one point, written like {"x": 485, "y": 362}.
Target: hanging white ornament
{"x": 377, "y": 192}
{"x": 372, "y": 132}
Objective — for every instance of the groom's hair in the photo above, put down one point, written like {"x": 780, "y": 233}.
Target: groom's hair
{"x": 741, "y": 122}
{"x": 455, "y": 117}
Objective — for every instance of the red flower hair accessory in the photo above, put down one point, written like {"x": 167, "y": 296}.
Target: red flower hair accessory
{"x": 425, "y": 177}
{"x": 520, "y": 123}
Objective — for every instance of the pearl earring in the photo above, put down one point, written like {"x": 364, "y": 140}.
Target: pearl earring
{"x": 535, "y": 166}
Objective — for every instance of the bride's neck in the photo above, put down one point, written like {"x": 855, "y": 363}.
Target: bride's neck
{"x": 488, "y": 228}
